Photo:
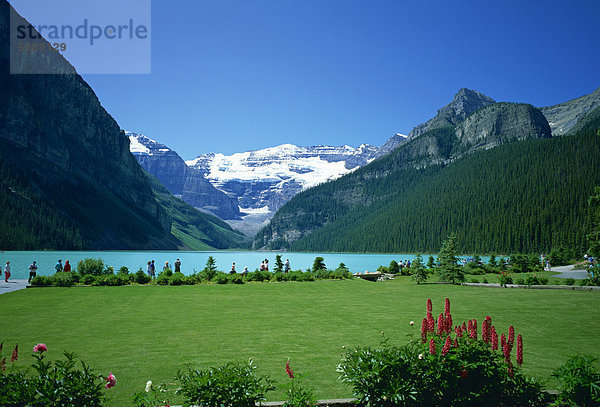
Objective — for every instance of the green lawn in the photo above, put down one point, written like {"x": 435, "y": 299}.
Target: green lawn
{"x": 141, "y": 333}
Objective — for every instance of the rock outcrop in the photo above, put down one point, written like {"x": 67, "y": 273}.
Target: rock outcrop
{"x": 563, "y": 116}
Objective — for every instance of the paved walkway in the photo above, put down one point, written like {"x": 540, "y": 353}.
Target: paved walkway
{"x": 569, "y": 272}
{"x": 12, "y": 285}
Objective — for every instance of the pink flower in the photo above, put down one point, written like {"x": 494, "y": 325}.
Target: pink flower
{"x": 503, "y": 341}
{"x": 449, "y": 323}
{"x": 430, "y": 323}
{"x": 511, "y": 335}
{"x": 424, "y": 330}
{"x": 459, "y": 332}
{"x": 447, "y": 346}
{"x": 432, "y": 346}
{"x": 441, "y": 324}
{"x": 40, "y": 347}
{"x": 289, "y": 370}
{"x": 111, "y": 380}
{"x": 473, "y": 331}
{"x": 15, "y": 354}
{"x": 519, "y": 350}
{"x": 447, "y": 306}
{"x": 429, "y": 306}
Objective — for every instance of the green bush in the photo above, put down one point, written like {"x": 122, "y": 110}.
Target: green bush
{"x": 62, "y": 279}
{"x": 532, "y": 280}
{"x": 92, "y": 266}
{"x": 41, "y": 281}
{"x": 220, "y": 278}
{"x": 57, "y": 383}
{"x": 434, "y": 371}
{"x": 141, "y": 277}
{"x": 232, "y": 384}
{"x": 88, "y": 279}
{"x": 520, "y": 281}
{"x": 579, "y": 382}
{"x": 505, "y": 278}
{"x": 569, "y": 281}
{"x": 109, "y": 280}
{"x": 162, "y": 279}
{"x": 177, "y": 279}
{"x": 543, "y": 280}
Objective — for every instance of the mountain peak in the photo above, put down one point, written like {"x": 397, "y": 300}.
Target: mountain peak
{"x": 465, "y": 102}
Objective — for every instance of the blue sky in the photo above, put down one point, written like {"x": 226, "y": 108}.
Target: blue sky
{"x": 233, "y": 75}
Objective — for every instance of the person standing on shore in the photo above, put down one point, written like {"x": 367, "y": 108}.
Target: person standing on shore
{"x": 32, "y": 272}
{"x": 7, "y": 271}
{"x": 152, "y": 269}
{"x": 149, "y": 269}
{"x": 59, "y": 266}
{"x": 232, "y": 271}
{"x": 286, "y": 266}
{"x": 177, "y": 266}
{"x": 67, "y": 268}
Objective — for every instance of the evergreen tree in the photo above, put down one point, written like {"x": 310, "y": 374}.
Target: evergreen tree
{"x": 431, "y": 263}
{"x": 594, "y": 236}
{"x": 449, "y": 270}
{"x": 342, "y": 267}
{"x": 419, "y": 271}
{"x": 492, "y": 261}
{"x": 211, "y": 267}
{"x": 394, "y": 268}
{"x": 319, "y": 264}
{"x": 278, "y": 264}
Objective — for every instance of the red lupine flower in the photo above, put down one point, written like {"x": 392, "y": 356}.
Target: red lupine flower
{"x": 15, "y": 354}
{"x": 469, "y": 325}
{"x": 485, "y": 331}
{"x": 449, "y": 323}
{"x": 432, "y": 346}
{"x": 424, "y": 330}
{"x": 456, "y": 342}
{"x": 519, "y": 350}
{"x": 447, "y": 345}
{"x": 464, "y": 327}
{"x": 430, "y": 323}
{"x": 441, "y": 324}
{"x": 510, "y": 369}
{"x": 447, "y": 306}
{"x": 289, "y": 370}
{"x": 494, "y": 339}
{"x": 473, "y": 333}
{"x": 459, "y": 331}
{"x": 503, "y": 341}
{"x": 429, "y": 306}
{"x": 463, "y": 373}
{"x": 111, "y": 380}
{"x": 40, "y": 347}
{"x": 511, "y": 335}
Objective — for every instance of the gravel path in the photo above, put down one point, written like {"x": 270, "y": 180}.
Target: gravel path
{"x": 12, "y": 285}
{"x": 569, "y": 272}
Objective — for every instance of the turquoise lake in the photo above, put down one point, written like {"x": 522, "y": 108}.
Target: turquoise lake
{"x": 194, "y": 261}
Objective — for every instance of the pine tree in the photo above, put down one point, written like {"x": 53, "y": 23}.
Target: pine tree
{"x": 394, "y": 268}
{"x": 419, "y": 271}
{"x": 278, "y": 264}
{"x": 594, "y": 236}
{"x": 449, "y": 270}
{"x": 319, "y": 264}
{"x": 211, "y": 267}
{"x": 430, "y": 263}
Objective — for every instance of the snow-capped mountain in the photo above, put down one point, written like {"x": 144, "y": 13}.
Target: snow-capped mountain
{"x": 256, "y": 182}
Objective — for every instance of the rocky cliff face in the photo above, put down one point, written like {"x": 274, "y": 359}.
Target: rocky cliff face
{"x": 465, "y": 102}
{"x": 68, "y": 151}
{"x": 182, "y": 181}
{"x": 564, "y": 116}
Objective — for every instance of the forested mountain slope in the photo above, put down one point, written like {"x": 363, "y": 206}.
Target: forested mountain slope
{"x": 521, "y": 196}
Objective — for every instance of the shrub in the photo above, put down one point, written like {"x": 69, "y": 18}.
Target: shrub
{"x": 227, "y": 385}
{"x": 41, "y": 281}
{"x": 62, "y": 279}
{"x": 238, "y": 279}
{"x": 296, "y": 394}
{"x": 543, "y": 280}
{"x": 141, "y": 277}
{"x": 177, "y": 279}
{"x": 505, "y": 278}
{"x": 520, "y": 281}
{"x": 92, "y": 266}
{"x": 88, "y": 279}
{"x": 162, "y": 279}
{"x": 109, "y": 280}
{"x": 448, "y": 366}
{"x": 569, "y": 281}
{"x": 123, "y": 270}
{"x": 220, "y": 278}
{"x": 532, "y": 280}
{"x": 579, "y": 381}
{"x": 58, "y": 383}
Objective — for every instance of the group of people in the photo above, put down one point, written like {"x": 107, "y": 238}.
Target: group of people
{"x": 151, "y": 267}
{"x": 264, "y": 266}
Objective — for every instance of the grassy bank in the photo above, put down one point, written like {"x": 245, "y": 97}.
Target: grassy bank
{"x": 148, "y": 333}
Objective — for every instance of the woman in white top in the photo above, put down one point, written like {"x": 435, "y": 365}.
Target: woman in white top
{"x": 7, "y": 271}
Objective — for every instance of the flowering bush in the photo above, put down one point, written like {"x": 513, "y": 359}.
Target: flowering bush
{"x": 448, "y": 365}
{"x": 59, "y": 383}
{"x": 579, "y": 381}
{"x": 297, "y": 396}
{"x": 233, "y": 385}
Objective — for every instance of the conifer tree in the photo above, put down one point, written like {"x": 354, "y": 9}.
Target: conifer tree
{"x": 594, "y": 236}
{"x": 419, "y": 271}
{"x": 278, "y": 264}
{"x": 449, "y": 270}
{"x": 319, "y": 264}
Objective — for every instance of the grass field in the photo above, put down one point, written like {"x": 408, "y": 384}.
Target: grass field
{"x": 148, "y": 333}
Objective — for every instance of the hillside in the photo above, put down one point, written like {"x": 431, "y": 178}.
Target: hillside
{"x": 523, "y": 195}
{"x": 69, "y": 180}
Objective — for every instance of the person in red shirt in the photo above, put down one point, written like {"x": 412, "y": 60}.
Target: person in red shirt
{"x": 67, "y": 267}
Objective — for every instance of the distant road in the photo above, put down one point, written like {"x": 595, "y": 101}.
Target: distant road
{"x": 569, "y": 272}
{"x": 12, "y": 285}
